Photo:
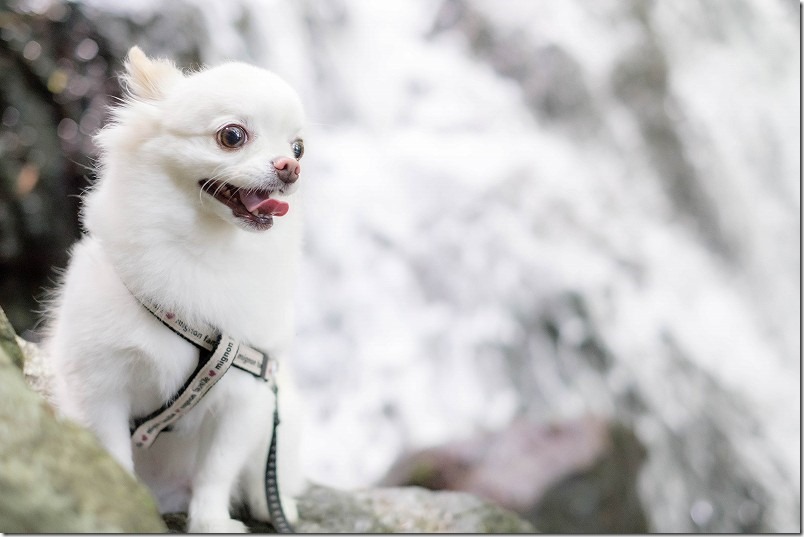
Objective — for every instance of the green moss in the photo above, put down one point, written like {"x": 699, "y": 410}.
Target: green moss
{"x": 8, "y": 341}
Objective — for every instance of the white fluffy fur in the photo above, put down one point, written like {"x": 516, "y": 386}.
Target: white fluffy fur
{"x": 151, "y": 226}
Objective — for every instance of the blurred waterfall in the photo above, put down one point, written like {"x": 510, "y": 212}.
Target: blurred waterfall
{"x": 559, "y": 208}
{"x": 541, "y": 209}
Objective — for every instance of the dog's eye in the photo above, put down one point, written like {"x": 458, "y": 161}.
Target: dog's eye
{"x": 298, "y": 148}
{"x": 232, "y": 136}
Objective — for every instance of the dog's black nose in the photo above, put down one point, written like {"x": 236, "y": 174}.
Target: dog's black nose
{"x": 287, "y": 169}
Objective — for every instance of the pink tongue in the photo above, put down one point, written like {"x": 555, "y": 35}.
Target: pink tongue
{"x": 260, "y": 201}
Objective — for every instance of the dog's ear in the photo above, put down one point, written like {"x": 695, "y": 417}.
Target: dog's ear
{"x": 146, "y": 78}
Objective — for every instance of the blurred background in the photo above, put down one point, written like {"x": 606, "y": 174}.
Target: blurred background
{"x": 552, "y": 249}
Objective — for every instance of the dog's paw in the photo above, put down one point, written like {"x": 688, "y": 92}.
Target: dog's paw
{"x": 216, "y": 525}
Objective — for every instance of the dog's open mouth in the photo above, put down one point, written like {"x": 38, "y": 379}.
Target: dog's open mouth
{"x": 257, "y": 207}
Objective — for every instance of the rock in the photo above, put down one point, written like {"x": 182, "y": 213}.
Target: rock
{"x": 414, "y": 510}
{"x": 325, "y": 510}
{"x": 388, "y": 510}
{"x": 574, "y": 477}
{"x": 602, "y": 498}
{"x": 54, "y": 476}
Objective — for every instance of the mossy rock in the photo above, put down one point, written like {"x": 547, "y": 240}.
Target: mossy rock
{"x": 54, "y": 475}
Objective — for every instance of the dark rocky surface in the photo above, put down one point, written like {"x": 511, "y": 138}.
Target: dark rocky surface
{"x": 577, "y": 476}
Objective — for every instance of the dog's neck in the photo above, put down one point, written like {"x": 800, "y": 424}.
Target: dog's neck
{"x": 192, "y": 260}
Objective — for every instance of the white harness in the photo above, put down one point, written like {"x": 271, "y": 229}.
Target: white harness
{"x": 222, "y": 350}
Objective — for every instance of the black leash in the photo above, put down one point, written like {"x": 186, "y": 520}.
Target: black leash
{"x": 214, "y": 358}
{"x": 271, "y": 483}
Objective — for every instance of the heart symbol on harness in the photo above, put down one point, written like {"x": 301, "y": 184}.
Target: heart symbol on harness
{"x": 212, "y": 373}
{"x": 169, "y": 316}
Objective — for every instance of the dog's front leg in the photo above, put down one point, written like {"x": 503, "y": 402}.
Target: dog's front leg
{"x": 108, "y": 419}
{"x": 228, "y": 437}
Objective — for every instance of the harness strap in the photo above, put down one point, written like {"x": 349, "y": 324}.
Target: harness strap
{"x": 204, "y": 378}
{"x": 205, "y": 337}
{"x": 218, "y": 352}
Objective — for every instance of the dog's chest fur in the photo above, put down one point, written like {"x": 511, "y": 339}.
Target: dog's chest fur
{"x": 237, "y": 290}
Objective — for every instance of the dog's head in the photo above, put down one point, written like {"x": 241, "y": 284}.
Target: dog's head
{"x": 228, "y": 137}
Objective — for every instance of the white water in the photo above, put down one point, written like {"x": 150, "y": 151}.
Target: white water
{"x": 448, "y": 220}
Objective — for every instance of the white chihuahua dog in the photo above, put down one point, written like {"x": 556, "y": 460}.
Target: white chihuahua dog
{"x": 196, "y": 209}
